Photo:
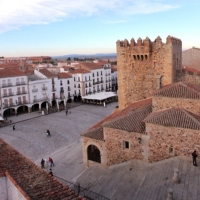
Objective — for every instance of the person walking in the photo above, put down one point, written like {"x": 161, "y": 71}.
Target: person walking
{"x": 42, "y": 163}
{"x": 51, "y": 162}
{"x": 194, "y": 156}
{"x": 13, "y": 127}
{"x": 66, "y": 111}
{"x": 48, "y": 133}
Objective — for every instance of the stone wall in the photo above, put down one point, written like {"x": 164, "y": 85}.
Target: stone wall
{"x": 189, "y": 77}
{"x": 116, "y": 153}
{"x": 144, "y": 66}
{"x": 160, "y": 103}
{"x": 183, "y": 141}
{"x": 86, "y": 142}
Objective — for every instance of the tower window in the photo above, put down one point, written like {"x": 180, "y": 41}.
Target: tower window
{"x": 126, "y": 145}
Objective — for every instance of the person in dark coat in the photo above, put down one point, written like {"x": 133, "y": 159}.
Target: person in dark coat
{"x": 51, "y": 173}
{"x": 42, "y": 163}
{"x": 48, "y": 133}
{"x": 194, "y": 156}
{"x": 13, "y": 127}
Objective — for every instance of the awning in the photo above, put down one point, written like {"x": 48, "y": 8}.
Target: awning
{"x": 100, "y": 96}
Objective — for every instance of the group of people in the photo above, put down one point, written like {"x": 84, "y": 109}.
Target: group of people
{"x": 51, "y": 164}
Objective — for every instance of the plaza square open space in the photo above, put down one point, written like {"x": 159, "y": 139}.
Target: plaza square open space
{"x": 127, "y": 181}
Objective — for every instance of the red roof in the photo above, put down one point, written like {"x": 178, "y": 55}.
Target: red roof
{"x": 47, "y": 73}
{"x": 4, "y": 73}
{"x": 64, "y": 75}
{"x": 79, "y": 71}
{"x": 32, "y": 181}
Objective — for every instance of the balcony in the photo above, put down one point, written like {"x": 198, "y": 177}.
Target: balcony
{"x": 41, "y": 99}
{"x": 22, "y": 102}
{"x": 54, "y": 97}
{"x": 53, "y": 89}
{"x": 21, "y": 92}
{"x": 8, "y": 94}
{"x": 8, "y": 105}
{"x": 35, "y": 90}
{"x": 21, "y": 83}
{"x": 68, "y": 89}
{"x": 7, "y": 85}
{"x": 107, "y": 74}
{"x": 44, "y": 88}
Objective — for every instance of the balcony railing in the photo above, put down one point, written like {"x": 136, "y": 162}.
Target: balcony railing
{"x": 44, "y": 88}
{"x": 8, "y": 105}
{"x": 21, "y": 92}
{"x": 55, "y": 97}
{"x": 21, "y": 83}
{"x": 53, "y": 89}
{"x": 8, "y": 94}
{"x": 6, "y": 85}
{"x": 69, "y": 89}
{"x": 22, "y": 102}
{"x": 35, "y": 90}
{"x": 41, "y": 99}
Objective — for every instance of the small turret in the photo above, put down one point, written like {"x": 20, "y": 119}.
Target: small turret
{"x": 147, "y": 42}
{"x": 126, "y": 43}
{"x": 132, "y": 42}
{"x": 139, "y": 42}
{"x": 158, "y": 40}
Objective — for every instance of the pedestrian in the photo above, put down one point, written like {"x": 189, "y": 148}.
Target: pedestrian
{"x": 51, "y": 162}
{"x": 13, "y": 127}
{"x": 51, "y": 173}
{"x": 42, "y": 163}
{"x": 194, "y": 156}
{"x": 48, "y": 133}
{"x": 66, "y": 111}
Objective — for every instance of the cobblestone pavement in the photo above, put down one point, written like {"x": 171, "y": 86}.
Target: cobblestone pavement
{"x": 126, "y": 181}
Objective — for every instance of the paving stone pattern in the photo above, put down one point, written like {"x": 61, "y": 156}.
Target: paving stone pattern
{"x": 126, "y": 181}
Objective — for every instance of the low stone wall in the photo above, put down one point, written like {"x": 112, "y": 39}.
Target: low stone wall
{"x": 166, "y": 142}
{"x": 191, "y": 105}
{"x": 116, "y": 153}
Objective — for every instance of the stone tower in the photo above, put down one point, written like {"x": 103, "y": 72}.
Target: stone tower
{"x": 145, "y": 66}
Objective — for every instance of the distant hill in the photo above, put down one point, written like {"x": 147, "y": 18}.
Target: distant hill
{"x": 82, "y": 56}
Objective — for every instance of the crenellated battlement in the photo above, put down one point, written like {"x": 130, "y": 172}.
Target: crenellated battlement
{"x": 145, "y": 65}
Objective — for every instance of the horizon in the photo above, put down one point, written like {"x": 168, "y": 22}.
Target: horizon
{"x": 52, "y": 28}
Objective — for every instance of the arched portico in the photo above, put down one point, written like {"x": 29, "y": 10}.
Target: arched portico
{"x": 94, "y": 153}
{"x": 22, "y": 109}
{"x": 44, "y": 105}
{"x": 35, "y": 107}
{"x": 9, "y": 112}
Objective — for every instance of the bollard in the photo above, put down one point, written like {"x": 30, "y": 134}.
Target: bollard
{"x": 169, "y": 194}
{"x": 176, "y": 179}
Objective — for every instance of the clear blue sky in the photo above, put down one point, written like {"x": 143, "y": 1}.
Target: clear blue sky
{"x": 60, "y": 27}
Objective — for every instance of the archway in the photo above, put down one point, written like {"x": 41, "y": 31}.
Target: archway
{"x": 9, "y": 112}
{"x": 44, "y": 105}
{"x": 35, "y": 107}
{"x": 94, "y": 153}
{"x": 22, "y": 109}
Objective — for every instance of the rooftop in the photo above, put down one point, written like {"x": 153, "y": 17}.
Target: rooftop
{"x": 4, "y": 73}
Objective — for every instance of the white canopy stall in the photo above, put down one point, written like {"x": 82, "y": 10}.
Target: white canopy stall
{"x": 101, "y": 97}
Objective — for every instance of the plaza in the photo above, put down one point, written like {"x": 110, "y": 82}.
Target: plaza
{"x": 131, "y": 180}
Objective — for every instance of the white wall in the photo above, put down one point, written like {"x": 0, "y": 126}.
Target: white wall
{"x": 3, "y": 189}
{"x": 13, "y": 192}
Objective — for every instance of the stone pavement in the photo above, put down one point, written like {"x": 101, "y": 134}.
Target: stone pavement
{"x": 126, "y": 181}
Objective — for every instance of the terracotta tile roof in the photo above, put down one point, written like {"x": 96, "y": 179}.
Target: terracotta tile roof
{"x": 64, "y": 75}
{"x": 33, "y": 182}
{"x": 96, "y": 131}
{"x": 132, "y": 122}
{"x": 47, "y": 73}
{"x": 179, "y": 90}
{"x": 175, "y": 117}
{"x": 189, "y": 69}
{"x": 10, "y": 73}
{"x": 79, "y": 71}
{"x": 92, "y": 65}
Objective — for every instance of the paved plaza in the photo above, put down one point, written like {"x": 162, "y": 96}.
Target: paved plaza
{"x": 126, "y": 181}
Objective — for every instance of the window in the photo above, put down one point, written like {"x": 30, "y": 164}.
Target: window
{"x": 74, "y": 78}
{"x": 60, "y": 83}
{"x": 97, "y": 73}
{"x": 171, "y": 150}
{"x": 78, "y": 78}
{"x": 67, "y": 81}
{"x": 125, "y": 145}
{"x": 101, "y": 73}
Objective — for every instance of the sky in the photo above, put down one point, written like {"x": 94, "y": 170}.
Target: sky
{"x": 61, "y": 27}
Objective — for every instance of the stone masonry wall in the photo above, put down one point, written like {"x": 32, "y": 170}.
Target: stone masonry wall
{"x": 114, "y": 146}
{"x": 160, "y": 103}
{"x": 144, "y": 66}
{"x": 189, "y": 77}
{"x": 99, "y": 144}
{"x": 183, "y": 142}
